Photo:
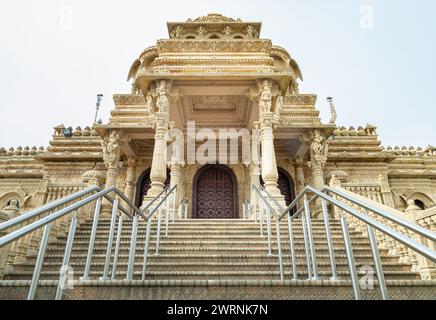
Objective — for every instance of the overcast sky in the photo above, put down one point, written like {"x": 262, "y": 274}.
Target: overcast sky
{"x": 375, "y": 57}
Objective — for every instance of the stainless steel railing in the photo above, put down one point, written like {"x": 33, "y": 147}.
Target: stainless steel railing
{"x": 269, "y": 208}
{"x": 63, "y": 207}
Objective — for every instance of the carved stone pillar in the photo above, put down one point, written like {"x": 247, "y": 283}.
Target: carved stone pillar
{"x": 254, "y": 170}
{"x": 158, "y": 173}
{"x": 111, "y": 157}
{"x": 267, "y": 120}
{"x": 318, "y": 159}
{"x": 300, "y": 182}
{"x": 130, "y": 179}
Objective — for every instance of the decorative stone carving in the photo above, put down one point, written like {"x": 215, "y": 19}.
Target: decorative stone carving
{"x": 111, "y": 149}
{"x": 12, "y": 210}
{"x": 279, "y": 106}
{"x": 162, "y": 97}
{"x": 265, "y": 97}
{"x": 177, "y": 32}
{"x": 319, "y": 145}
{"x": 149, "y": 104}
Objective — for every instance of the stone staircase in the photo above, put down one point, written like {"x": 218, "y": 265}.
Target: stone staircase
{"x": 220, "y": 254}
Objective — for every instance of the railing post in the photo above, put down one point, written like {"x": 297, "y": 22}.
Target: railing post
{"x": 249, "y": 210}
{"x": 306, "y": 246}
{"x": 261, "y": 215}
{"x": 268, "y": 221}
{"x": 310, "y": 236}
{"x": 92, "y": 240}
{"x": 147, "y": 241}
{"x": 377, "y": 262}
{"x": 167, "y": 213}
{"x": 186, "y": 210}
{"x": 117, "y": 247}
{"x": 349, "y": 251}
{"x": 110, "y": 240}
{"x": 174, "y": 203}
{"x": 243, "y": 209}
{"x": 132, "y": 249}
{"x": 158, "y": 228}
{"x": 66, "y": 262}
{"x": 329, "y": 239}
{"x": 291, "y": 244}
{"x": 39, "y": 262}
{"x": 279, "y": 249}
{"x": 255, "y": 204}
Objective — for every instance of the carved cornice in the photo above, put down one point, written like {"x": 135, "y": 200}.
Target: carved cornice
{"x": 128, "y": 99}
{"x": 242, "y": 46}
{"x": 300, "y": 99}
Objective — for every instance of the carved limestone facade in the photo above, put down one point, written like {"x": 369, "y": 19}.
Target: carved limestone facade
{"x": 219, "y": 73}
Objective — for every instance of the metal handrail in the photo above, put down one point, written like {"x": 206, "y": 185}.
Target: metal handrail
{"x": 404, "y": 223}
{"x": 14, "y": 235}
{"x": 48, "y": 221}
{"x": 142, "y": 210}
{"x": 370, "y": 223}
{"x": 47, "y": 207}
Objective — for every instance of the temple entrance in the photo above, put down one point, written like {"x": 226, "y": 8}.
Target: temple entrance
{"x": 215, "y": 193}
{"x": 143, "y": 185}
{"x": 285, "y": 185}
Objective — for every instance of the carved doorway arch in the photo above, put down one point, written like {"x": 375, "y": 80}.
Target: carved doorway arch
{"x": 215, "y": 194}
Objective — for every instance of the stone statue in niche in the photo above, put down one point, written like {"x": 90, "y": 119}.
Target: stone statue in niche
{"x": 265, "y": 98}
{"x": 162, "y": 99}
{"x": 12, "y": 209}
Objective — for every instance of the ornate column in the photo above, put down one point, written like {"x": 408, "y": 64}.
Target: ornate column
{"x": 267, "y": 120}
{"x": 318, "y": 159}
{"x": 111, "y": 157}
{"x": 158, "y": 173}
{"x": 130, "y": 179}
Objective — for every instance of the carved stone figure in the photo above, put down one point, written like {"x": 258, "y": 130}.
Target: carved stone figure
{"x": 149, "y": 104}
{"x": 227, "y": 30}
{"x": 251, "y": 32}
{"x": 162, "y": 99}
{"x": 111, "y": 149}
{"x": 12, "y": 210}
{"x": 318, "y": 146}
{"x": 265, "y": 98}
{"x": 177, "y": 33}
{"x": 279, "y": 106}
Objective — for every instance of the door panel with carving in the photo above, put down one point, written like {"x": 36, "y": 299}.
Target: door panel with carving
{"x": 215, "y": 193}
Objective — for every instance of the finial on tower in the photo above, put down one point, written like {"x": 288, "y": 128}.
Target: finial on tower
{"x": 333, "y": 114}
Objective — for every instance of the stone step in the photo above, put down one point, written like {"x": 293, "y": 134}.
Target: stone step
{"x": 209, "y": 249}
{"x": 323, "y": 265}
{"x": 168, "y": 242}
{"x": 211, "y": 275}
{"x": 206, "y": 258}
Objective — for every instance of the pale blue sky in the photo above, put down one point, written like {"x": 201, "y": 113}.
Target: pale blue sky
{"x": 51, "y": 69}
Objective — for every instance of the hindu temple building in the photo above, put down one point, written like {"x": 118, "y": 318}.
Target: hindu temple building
{"x": 220, "y": 74}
